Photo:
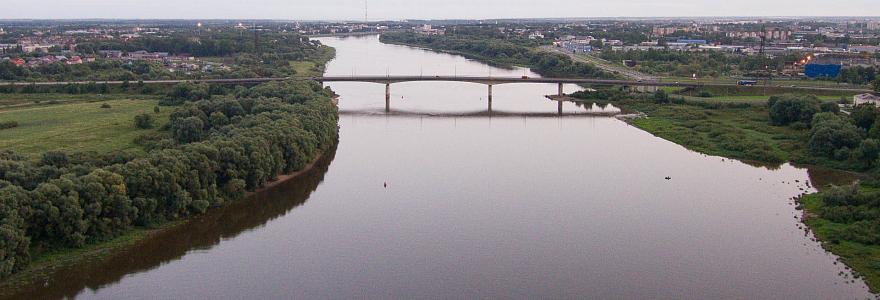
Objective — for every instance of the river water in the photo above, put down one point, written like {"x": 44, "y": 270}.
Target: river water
{"x": 441, "y": 199}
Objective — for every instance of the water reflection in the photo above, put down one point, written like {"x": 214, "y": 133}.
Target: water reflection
{"x": 203, "y": 232}
{"x": 581, "y": 110}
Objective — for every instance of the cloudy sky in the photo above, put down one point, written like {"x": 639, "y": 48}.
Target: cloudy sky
{"x": 430, "y": 9}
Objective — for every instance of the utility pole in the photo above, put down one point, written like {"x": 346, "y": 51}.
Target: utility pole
{"x": 256, "y": 39}
{"x": 763, "y": 38}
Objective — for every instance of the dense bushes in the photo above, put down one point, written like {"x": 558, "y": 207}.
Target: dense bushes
{"x": 225, "y": 146}
{"x": 833, "y": 136}
{"x": 8, "y": 124}
{"x": 859, "y": 210}
{"x": 789, "y": 109}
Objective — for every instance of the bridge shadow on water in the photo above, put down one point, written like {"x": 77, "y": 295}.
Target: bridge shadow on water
{"x": 201, "y": 232}
{"x": 581, "y": 110}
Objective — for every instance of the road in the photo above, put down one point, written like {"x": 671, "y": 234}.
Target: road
{"x": 605, "y": 65}
{"x": 385, "y": 79}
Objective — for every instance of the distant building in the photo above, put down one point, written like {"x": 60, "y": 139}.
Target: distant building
{"x": 818, "y": 70}
{"x": 864, "y": 49}
{"x": 578, "y": 46}
{"x": 692, "y": 42}
{"x": 866, "y": 99}
{"x": 75, "y": 60}
{"x": 18, "y": 62}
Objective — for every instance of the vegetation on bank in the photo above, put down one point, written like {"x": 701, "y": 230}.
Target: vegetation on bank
{"x": 847, "y": 220}
{"x": 500, "y": 52}
{"x": 213, "y": 149}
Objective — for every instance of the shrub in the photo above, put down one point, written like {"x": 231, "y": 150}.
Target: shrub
{"x": 661, "y": 97}
{"x": 106, "y": 105}
{"x": 8, "y": 124}
{"x": 144, "y": 121}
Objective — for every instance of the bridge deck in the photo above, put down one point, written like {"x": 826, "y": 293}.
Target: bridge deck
{"x": 471, "y": 79}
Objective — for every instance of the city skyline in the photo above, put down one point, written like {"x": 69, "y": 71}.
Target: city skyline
{"x": 432, "y": 9}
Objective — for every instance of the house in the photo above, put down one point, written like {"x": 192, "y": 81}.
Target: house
{"x": 75, "y": 60}
{"x": 18, "y": 61}
{"x": 866, "y": 99}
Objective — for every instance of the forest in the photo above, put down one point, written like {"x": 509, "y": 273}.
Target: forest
{"x": 214, "y": 149}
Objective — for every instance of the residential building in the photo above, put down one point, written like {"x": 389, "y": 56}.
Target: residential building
{"x": 866, "y": 99}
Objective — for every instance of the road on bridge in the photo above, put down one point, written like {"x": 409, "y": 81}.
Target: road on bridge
{"x": 385, "y": 79}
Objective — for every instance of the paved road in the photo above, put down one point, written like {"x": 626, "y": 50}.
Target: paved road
{"x": 605, "y": 65}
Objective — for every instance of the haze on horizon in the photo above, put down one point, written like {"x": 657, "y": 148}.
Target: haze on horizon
{"x": 431, "y": 9}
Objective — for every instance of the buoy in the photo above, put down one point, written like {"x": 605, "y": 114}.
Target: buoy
{"x": 385, "y": 184}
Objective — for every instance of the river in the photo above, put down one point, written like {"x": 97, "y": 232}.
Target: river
{"x": 441, "y": 199}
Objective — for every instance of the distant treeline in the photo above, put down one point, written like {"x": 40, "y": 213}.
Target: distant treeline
{"x": 266, "y": 55}
{"x": 214, "y": 149}
{"x": 500, "y": 51}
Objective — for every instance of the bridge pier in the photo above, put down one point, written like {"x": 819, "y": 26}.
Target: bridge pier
{"x": 559, "y": 106}
{"x": 387, "y": 97}
{"x": 561, "y": 92}
{"x": 490, "y": 97}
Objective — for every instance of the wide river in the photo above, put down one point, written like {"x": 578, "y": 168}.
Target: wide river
{"x": 440, "y": 199}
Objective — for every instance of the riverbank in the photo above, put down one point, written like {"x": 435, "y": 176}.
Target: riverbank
{"x": 43, "y": 267}
{"x": 863, "y": 259}
{"x": 744, "y": 132}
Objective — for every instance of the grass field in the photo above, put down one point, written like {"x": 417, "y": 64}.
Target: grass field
{"x": 742, "y": 133}
{"x": 753, "y": 98}
{"x": 731, "y": 130}
{"x": 74, "y": 127}
{"x": 14, "y": 101}
{"x": 304, "y": 68}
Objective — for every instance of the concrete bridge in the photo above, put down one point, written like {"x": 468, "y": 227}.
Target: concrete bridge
{"x": 489, "y": 81}
{"x": 486, "y": 80}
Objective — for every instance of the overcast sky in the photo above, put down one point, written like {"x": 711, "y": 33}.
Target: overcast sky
{"x": 428, "y": 9}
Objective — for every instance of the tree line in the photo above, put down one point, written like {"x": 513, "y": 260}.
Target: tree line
{"x": 213, "y": 151}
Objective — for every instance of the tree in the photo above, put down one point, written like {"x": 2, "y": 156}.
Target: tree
{"x": 788, "y": 109}
{"x": 189, "y": 130}
{"x": 867, "y": 152}
{"x": 833, "y": 136}
{"x": 877, "y": 85}
{"x": 863, "y": 115}
{"x": 660, "y": 96}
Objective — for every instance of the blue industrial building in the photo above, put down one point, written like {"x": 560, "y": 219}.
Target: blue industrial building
{"x": 819, "y": 70}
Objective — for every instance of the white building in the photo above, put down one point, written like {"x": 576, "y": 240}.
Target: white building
{"x": 866, "y": 99}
